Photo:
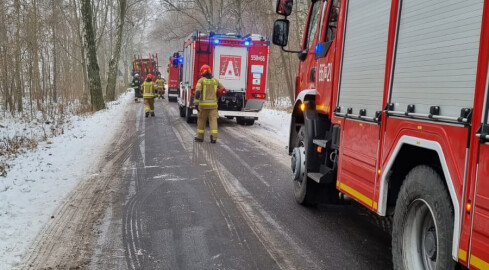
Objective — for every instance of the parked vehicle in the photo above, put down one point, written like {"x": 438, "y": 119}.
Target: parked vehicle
{"x": 239, "y": 62}
{"x": 392, "y": 109}
{"x": 175, "y": 68}
{"x": 145, "y": 66}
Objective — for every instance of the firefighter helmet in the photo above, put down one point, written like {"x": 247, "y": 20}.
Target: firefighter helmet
{"x": 205, "y": 69}
{"x": 149, "y": 77}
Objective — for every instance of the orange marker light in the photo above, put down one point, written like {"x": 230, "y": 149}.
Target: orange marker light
{"x": 303, "y": 107}
{"x": 319, "y": 149}
{"x": 379, "y": 172}
{"x": 468, "y": 207}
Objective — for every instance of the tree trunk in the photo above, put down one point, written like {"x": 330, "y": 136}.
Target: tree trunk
{"x": 82, "y": 53}
{"x": 113, "y": 64}
{"x": 18, "y": 86}
{"x": 55, "y": 62}
{"x": 35, "y": 53}
{"x": 93, "y": 68}
{"x": 288, "y": 77}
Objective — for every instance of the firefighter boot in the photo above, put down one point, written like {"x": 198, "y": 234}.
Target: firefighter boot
{"x": 213, "y": 140}
{"x": 147, "y": 114}
{"x": 152, "y": 114}
{"x": 197, "y": 139}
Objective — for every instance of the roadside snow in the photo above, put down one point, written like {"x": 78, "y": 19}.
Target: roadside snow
{"x": 38, "y": 181}
{"x": 273, "y": 124}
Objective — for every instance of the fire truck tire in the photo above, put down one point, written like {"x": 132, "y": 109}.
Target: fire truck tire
{"x": 423, "y": 223}
{"x": 188, "y": 115}
{"x": 305, "y": 190}
{"x": 182, "y": 111}
{"x": 244, "y": 121}
{"x": 172, "y": 99}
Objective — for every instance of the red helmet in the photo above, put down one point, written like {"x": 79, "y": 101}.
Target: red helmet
{"x": 205, "y": 69}
{"x": 149, "y": 77}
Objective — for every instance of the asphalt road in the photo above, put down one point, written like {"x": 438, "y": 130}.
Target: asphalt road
{"x": 230, "y": 205}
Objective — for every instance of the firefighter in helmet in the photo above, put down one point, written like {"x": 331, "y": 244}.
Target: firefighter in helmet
{"x": 160, "y": 86}
{"x": 149, "y": 96}
{"x": 136, "y": 85}
{"x": 206, "y": 92}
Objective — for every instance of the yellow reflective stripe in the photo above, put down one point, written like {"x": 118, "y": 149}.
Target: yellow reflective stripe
{"x": 207, "y": 103}
{"x": 478, "y": 262}
{"x": 462, "y": 255}
{"x": 200, "y": 131}
{"x": 355, "y": 194}
{"x": 214, "y": 131}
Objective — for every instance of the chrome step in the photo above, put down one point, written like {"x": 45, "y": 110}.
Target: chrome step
{"x": 315, "y": 176}
{"x": 321, "y": 143}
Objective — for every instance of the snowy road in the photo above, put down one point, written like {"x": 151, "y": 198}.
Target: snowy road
{"x": 165, "y": 202}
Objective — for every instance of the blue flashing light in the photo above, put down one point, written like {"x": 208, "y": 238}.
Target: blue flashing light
{"x": 216, "y": 41}
{"x": 180, "y": 60}
{"x": 319, "y": 48}
{"x": 247, "y": 43}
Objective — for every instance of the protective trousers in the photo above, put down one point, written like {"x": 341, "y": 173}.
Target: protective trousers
{"x": 149, "y": 105}
{"x": 203, "y": 115}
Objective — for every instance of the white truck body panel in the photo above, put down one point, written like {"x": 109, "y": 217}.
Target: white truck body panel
{"x": 231, "y": 67}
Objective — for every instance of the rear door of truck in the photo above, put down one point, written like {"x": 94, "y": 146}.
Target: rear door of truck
{"x": 230, "y": 67}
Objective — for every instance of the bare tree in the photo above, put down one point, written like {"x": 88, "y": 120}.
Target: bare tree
{"x": 113, "y": 64}
{"x": 93, "y": 67}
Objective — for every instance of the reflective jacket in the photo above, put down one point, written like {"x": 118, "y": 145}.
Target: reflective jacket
{"x": 148, "y": 89}
{"x": 206, "y": 92}
{"x": 160, "y": 83}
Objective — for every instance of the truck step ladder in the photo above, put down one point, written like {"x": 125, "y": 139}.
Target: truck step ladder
{"x": 321, "y": 143}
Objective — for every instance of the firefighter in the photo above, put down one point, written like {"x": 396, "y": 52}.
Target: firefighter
{"x": 149, "y": 95}
{"x": 136, "y": 85}
{"x": 206, "y": 103}
{"x": 160, "y": 86}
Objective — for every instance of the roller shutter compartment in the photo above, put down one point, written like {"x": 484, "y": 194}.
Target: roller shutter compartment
{"x": 436, "y": 55}
{"x": 364, "y": 56}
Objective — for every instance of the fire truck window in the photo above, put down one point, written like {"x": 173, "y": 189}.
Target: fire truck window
{"x": 313, "y": 23}
{"x": 333, "y": 21}
{"x": 321, "y": 22}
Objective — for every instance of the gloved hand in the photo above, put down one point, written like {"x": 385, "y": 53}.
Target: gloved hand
{"x": 197, "y": 107}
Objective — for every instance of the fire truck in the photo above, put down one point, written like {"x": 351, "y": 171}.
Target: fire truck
{"x": 145, "y": 66}
{"x": 175, "y": 66}
{"x": 392, "y": 109}
{"x": 239, "y": 62}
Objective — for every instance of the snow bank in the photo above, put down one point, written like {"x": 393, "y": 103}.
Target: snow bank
{"x": 273, "y": 125}
{"x": 39, "y": 180}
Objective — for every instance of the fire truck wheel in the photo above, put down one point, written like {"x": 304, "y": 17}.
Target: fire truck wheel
{"x": 182, "y": 111}
{"x": 305, "y": 189}
{"x": 188, "y": 115}
{"x": 423, "y": 223}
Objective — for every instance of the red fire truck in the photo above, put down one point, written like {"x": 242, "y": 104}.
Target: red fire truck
{"x": 175, "y": 66}
{"x": 392, "y": 109}
{"x": 145, "y": 66}
{"x": 239, "y": 62}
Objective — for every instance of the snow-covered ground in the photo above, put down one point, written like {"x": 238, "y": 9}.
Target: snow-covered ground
{"x": 275, "y": 122}
{"x": 39, "y": 180}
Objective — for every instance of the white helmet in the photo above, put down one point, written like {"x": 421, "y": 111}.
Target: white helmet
{"x": 136, "y": 75}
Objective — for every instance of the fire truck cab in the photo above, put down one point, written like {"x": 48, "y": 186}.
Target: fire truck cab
{"x": 239, "y": 62}
{"x": 392, "y": 109}
{"x": 175, "y": 68}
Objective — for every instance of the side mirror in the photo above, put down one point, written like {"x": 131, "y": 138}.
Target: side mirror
{"x": 280, "y": 32}
{"x": 284, "y": 7}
